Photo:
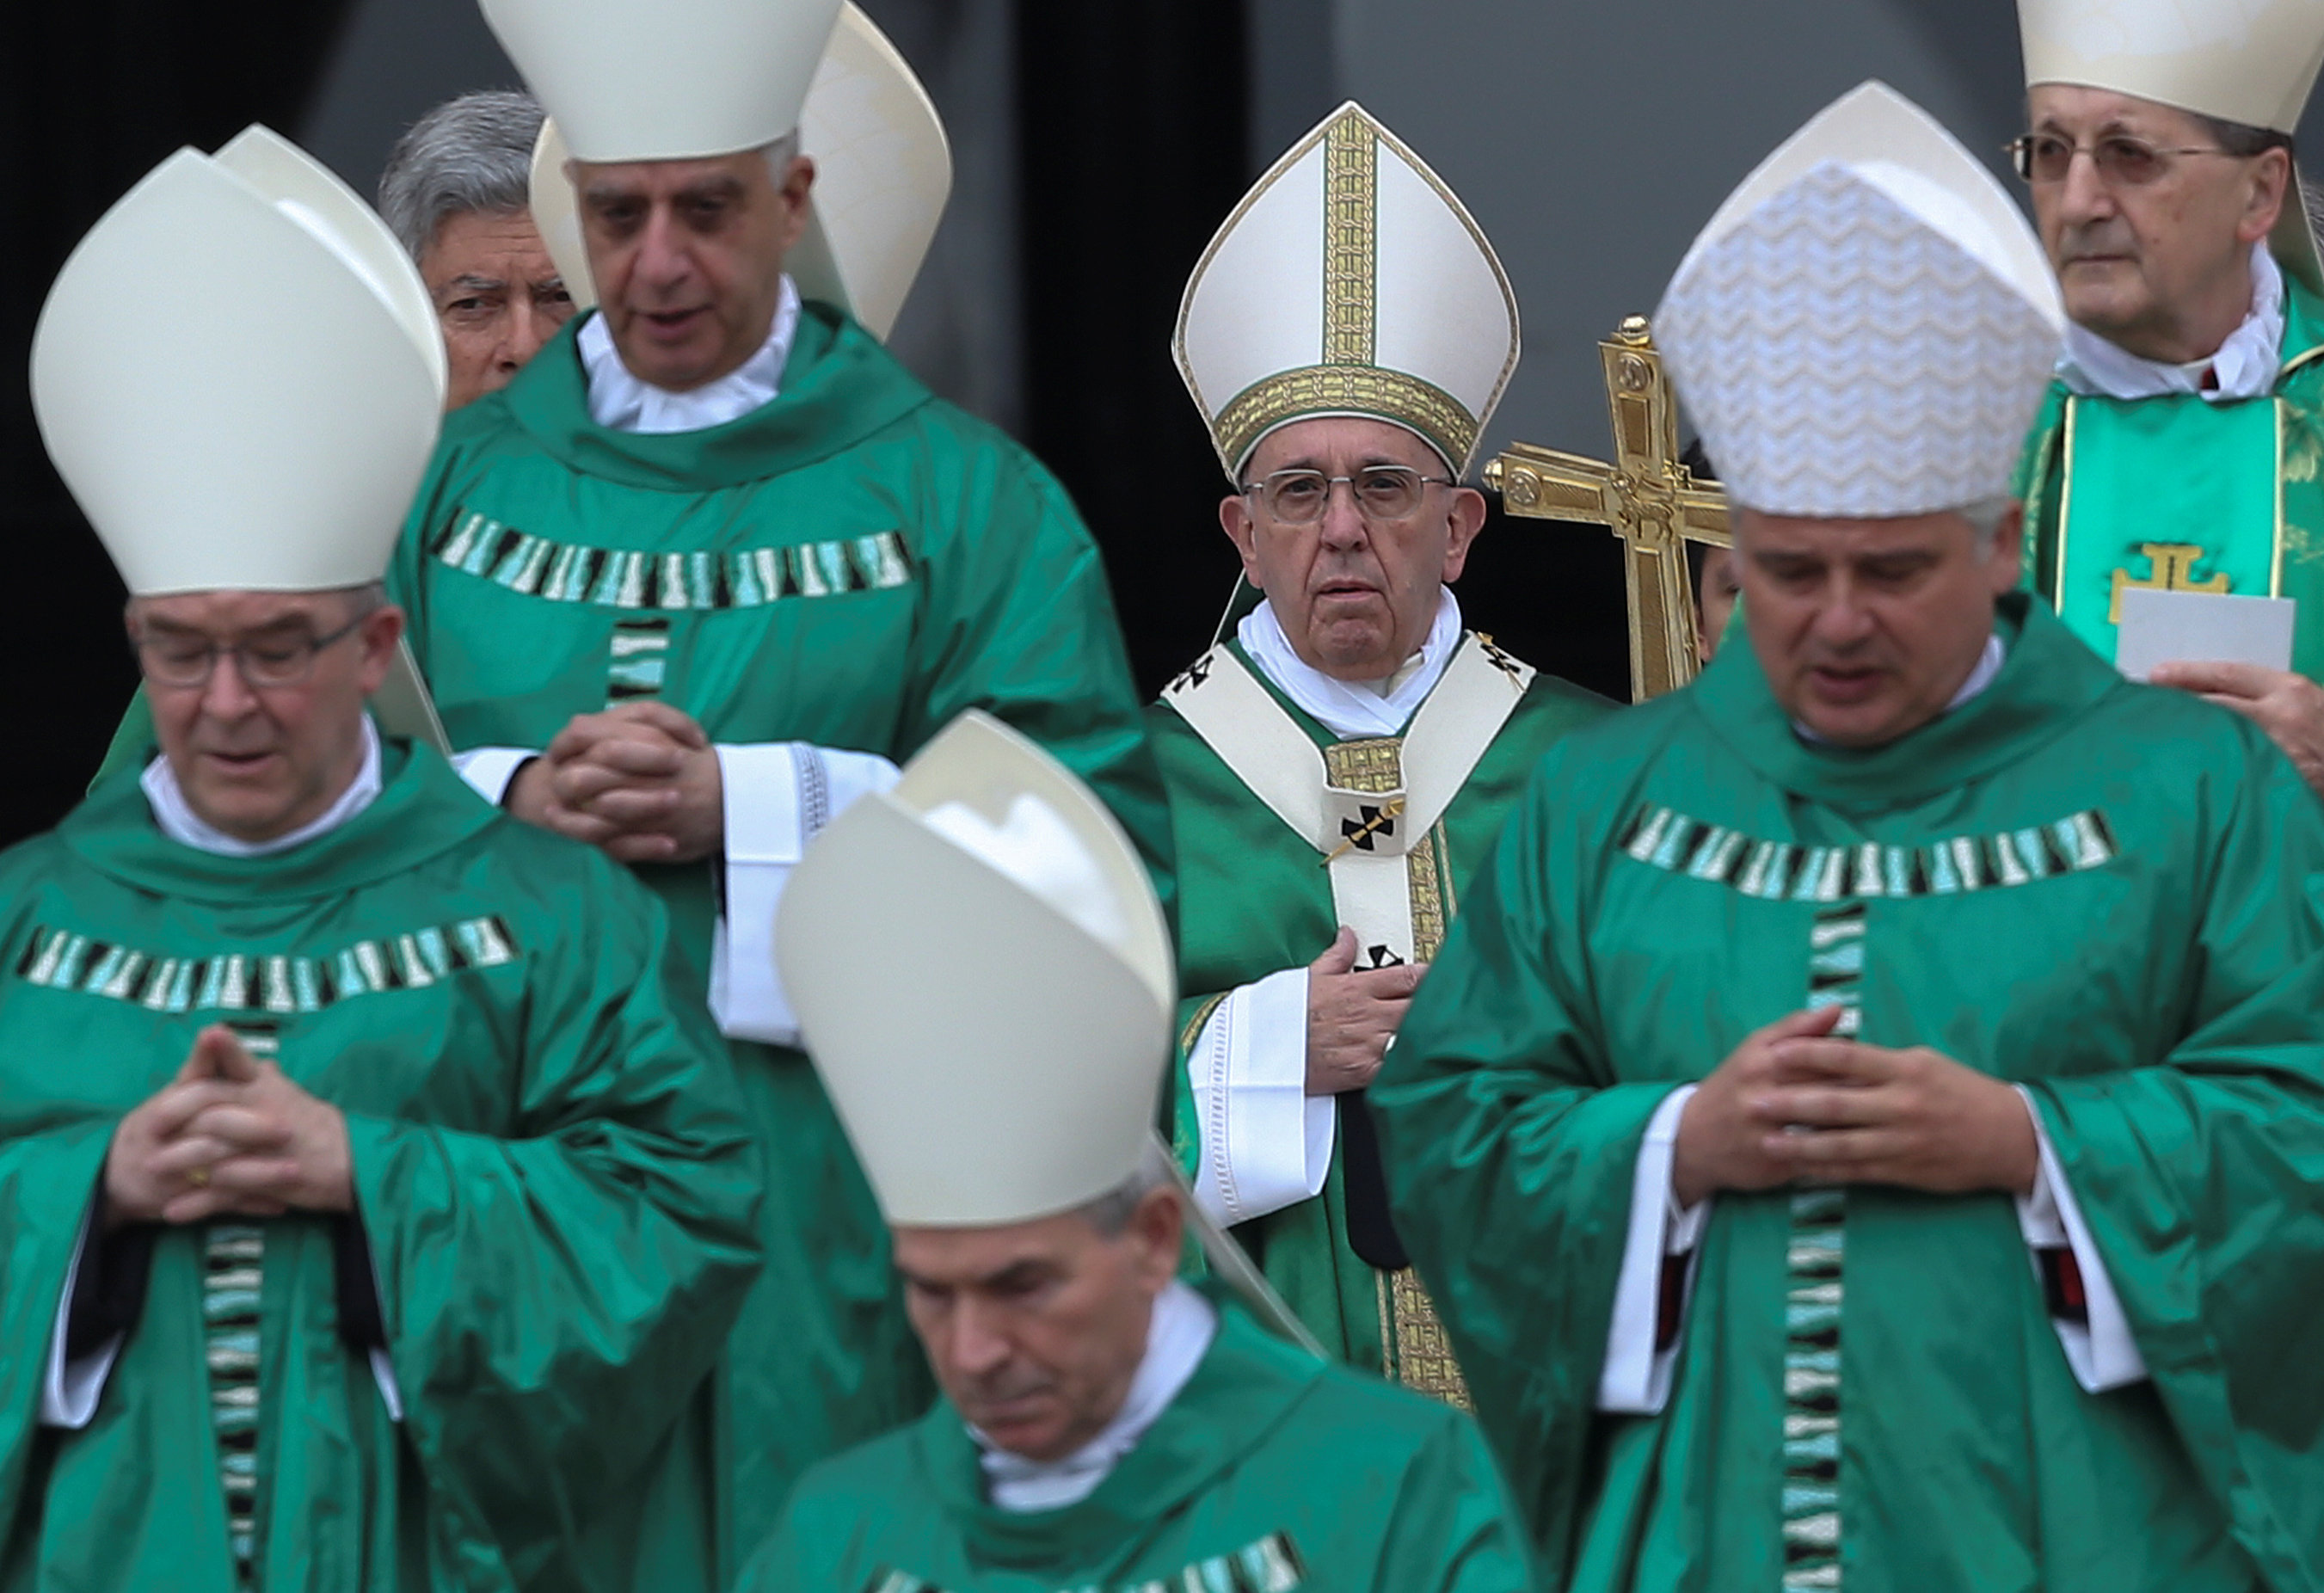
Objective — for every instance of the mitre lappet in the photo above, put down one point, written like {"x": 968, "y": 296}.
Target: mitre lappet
{"x": 262, "y": 422}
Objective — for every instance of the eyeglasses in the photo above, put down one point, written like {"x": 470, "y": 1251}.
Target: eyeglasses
{"x": 2122, "y": 162}
{"x": 1384, "y": 493}
{"x": 276, "y": 662}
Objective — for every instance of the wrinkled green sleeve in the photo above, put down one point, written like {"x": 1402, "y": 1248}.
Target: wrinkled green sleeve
{"x": 1022, "y": 625}
{"x": 552, "y": 1297}
{"x": 2200, "y": 1178}
{"x": 48, "y": 1172}
{"x": 1455, "y": 1528}
{"x": 1497, "y": 1100}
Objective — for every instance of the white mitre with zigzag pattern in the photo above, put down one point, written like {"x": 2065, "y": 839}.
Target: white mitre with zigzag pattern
{"x": 1867, "y": 326}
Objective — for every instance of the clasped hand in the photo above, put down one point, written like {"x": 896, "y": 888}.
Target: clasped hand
{"x": 1352, "y": 1014}
{"x": 640, "y": 780}
{"x": 1793, "y": 1104}
{"x": 229, "y": 1136}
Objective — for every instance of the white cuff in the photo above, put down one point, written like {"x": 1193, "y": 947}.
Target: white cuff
{"x": 777, "y": 796}
{"x": 1266, "y": 1142}
{"x": 489, "y": 769}
{"x": 70, "y": 1391}
{"x": 1635, "y": 1379}
{"x": 2101, "y": 1351}
{"x": 383, "y": 1374}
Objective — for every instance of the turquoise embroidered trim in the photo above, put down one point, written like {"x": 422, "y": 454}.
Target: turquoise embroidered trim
{"x": 1271, "y": 1565}
{"x": 1784, "y": 871}
{"x": 626, "y": 578}
{"x": 237, "y": 981}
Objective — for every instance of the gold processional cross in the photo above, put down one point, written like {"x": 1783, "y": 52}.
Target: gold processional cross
{"x": 1645, "y": 497}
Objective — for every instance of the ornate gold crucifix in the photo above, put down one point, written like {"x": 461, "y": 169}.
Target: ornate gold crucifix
{"x": 1645, "y": 497}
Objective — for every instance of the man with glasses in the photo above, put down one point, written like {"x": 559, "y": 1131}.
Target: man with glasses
{"x": 1337, "y": 769}
{"x": 376, "y": 1194}
{"x": 2183, "y": 444}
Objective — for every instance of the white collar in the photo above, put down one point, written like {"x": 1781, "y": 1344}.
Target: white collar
{"x": 1987, "y": 668}
{"x": 620, "y": 402}
{"x": 2245, "y": 366}
{"x": 1177, "y": 1338}
{"x": 179, "y": 822}
{"x": 1349, "y": 708}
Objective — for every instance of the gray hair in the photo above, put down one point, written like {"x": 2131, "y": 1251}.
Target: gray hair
{"x": 1110, "y": 1214}
{"x": 780, "y": 154}
{"x": 2241, "y": 138}
{"x": 469, "y": 154}
{"x": 1986, "y": 515}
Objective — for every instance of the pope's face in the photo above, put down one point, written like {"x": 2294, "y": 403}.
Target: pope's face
{"x": 1035, "y": 1328}
{"x": 1865, "y": 627}
{"x": 2160, "y": 267}
{"x": 687, "y": 256}
{"x": 259, "y": 762}
{"x": 1355, "y": 597}
{"x": 497, "y": 295}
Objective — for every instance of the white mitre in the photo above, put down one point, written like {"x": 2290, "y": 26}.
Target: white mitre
{"x": 883, "y": 172}
{"x": 666, "y": 79}
{"x": 984, "y": 979}
{"x": 262, "y": 420}
{"x": 2253, "y": 61}
{"x": 1349, "y": 281}
{"x": 1867, "y": 326}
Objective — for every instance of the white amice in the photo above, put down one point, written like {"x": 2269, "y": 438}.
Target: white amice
{"x": 619, "y": 402}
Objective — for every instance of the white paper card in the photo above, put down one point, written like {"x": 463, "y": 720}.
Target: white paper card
{"x": 2201, "y": 627}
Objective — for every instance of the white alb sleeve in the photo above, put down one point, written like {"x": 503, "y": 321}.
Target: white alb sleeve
{"x": 777, "y": 796}
{"x": 71, "y": 1388}
{"x": 2101, "y": 1351}
{"x": 489, "y": 769}
{"x": 1636, "y": 1378}
{"x": 1265, "y": 1142}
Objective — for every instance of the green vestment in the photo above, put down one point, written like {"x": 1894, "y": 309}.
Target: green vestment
{"x": 2103, "y": 892}
{"x": 1270, "y": 1471}
{"x": 551, "y": 1166}
{"x": 852, "y": 565}
{"x": 1254, "y": 901}
{"x": 2183, "y": 493}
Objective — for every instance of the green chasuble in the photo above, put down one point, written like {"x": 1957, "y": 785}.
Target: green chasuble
{"x": 853, "y": 565}
{"x": 1269, "y": 1472}
{"x": 1256, "y": 899}
{"x": 2182, "y": 494}
{"x": 551, "y": 1168}
{"x": 2103, "y": 892}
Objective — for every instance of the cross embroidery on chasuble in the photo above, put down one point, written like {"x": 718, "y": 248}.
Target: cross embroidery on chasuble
{"x": 1841, "y": 882}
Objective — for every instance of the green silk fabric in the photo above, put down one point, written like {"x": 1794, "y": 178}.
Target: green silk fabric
{"x": 1267, "y": 1462}
{"x": 853, "y": 565}
{"x": 2103, "y": 892}
{"x": 550, "y": 1161}
{"x": 2103, "y": 478}
{"x": 1254, "y": 899}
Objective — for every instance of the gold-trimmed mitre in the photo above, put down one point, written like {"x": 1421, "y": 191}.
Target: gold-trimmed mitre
{"x": 983, "y": 978}
{"x": 1867, "y": 326}
{"x": 883, "y": 172}
{"x": 2253, "y": 61}
{"x": 1349, "y": 281}
{"x": 262, "y": 420}
{"x": 666, "y": 79}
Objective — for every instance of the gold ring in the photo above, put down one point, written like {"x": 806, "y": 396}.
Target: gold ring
{"x": 200, "y": 1178}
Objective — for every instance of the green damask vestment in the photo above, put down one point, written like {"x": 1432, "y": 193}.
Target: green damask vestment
{"x": 551, "y": 1168}
{"x": 2106, "y": 893}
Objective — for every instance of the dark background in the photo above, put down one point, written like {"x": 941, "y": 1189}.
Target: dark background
{"x": 1126, "y": 135}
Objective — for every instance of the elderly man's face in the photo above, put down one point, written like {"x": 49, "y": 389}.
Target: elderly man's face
{"x": 260, "y": 760}
{"x": 497, "y": 295}
{"x": 1355, "y": 595}
{"x": 1865, "y": 627}
{"x": 1035, "y": 1328}
{"x": 2163, "y": 267}
{"x": 687, "y": 256}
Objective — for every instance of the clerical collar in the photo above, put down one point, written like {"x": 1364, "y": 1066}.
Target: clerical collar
{"x": 177, "y": 819}
{"x": 1349, "y": 708}
{"x": 2245, "y": 367}
{"x": 619, "y": 402}
{"x": 1987, "y": 670}
{"x": 1177, "y": 1337}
